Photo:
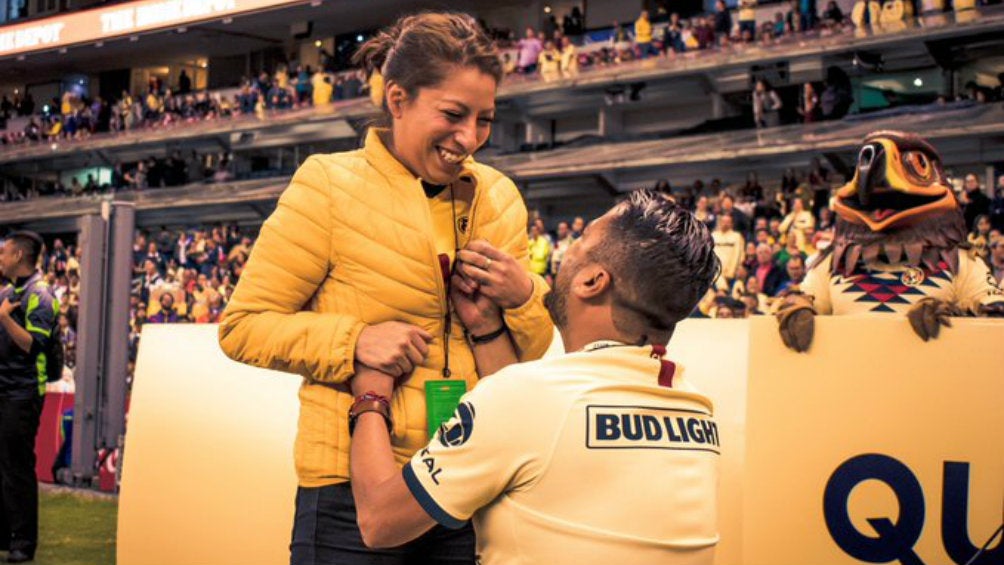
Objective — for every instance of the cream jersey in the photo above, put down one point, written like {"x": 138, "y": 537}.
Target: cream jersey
{"x": 881, "y": 287}
{"x": 606, "y": 456}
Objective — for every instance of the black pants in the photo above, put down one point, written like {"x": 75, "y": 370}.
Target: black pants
{"x": 325, "y": 533}
{"x": 18, "y": 485}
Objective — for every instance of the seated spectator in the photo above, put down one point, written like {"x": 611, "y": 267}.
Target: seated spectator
{"x": 167, "y": 314}
{"x": 799, "y": 219}
{"x": 997, "y": 258}
{"x": 729, "y": 246}
{"x": 795, "y": 270}
{"x": 768, "y": 274}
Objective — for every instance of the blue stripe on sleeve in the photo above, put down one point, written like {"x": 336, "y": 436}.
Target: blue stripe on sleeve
{"x": 426, "y": 501}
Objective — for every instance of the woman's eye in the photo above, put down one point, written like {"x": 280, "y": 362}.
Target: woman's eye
{"x": 453, "y": 115}
{"x": 486, "y": 121}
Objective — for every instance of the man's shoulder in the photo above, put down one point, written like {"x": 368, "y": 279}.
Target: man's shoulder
{"x": 519, "y": 378}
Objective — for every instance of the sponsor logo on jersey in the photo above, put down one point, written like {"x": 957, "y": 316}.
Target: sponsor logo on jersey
{"x": 458, "y": 429}
{"x": 644, "y": 427}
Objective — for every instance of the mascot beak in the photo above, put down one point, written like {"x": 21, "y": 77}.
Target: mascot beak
{"x": 898, "y": 180}
{"x": 871, "y": 167}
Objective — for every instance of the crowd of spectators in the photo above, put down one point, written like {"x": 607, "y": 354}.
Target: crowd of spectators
{"x": 184, "y": 276}
{"x": 767, "y": 238}
{"x": 559, "y": 49}
{"x": 75, "y": 117}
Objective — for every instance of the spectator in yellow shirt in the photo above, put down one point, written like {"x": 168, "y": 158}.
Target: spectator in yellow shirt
{"x": 549, "y": 62}
{"x": 540, "y": 251}
{"x": 322, "y": 88}
{"x": 569, "y": 58}
{"x": 643, "y": 35}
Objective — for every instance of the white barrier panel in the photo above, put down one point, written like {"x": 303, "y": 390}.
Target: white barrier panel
{"x": 207, "y": 476}
{"x": 875, "y": 447}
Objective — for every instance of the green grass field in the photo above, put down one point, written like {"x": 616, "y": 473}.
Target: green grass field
{"x": 76, "y": 528}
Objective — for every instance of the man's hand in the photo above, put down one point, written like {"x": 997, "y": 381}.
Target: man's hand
{"x": 394, "y": 348}
{"x": 476, "y": 311}
{"x": 495, "y": 273}
{"x": 8, "y": 307}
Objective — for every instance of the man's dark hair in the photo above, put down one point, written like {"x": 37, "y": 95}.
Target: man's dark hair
{"x": 661, "y": 259}
{"x": 30, "y": 243}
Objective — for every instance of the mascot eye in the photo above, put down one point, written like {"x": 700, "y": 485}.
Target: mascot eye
{"x": 866, "y": 156}
{"x": 918, "y": 165}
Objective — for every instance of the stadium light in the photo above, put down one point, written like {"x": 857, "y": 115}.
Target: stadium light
{"x": 317, "y": 44}
{"x": 547, "y": 9}
{"x": 917, "y": 82}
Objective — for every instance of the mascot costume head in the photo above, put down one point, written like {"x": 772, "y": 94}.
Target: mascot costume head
{"x": 899, "y": 247}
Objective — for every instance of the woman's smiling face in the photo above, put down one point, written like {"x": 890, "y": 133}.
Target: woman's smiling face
{"x": 442, "y": 125}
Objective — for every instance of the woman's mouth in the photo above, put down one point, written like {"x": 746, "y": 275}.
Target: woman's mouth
{"x": 450, "y": 157}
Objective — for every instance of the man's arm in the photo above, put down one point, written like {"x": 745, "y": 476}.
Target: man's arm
{"x": 18, "y": 335}
{"x": 387, "y": 513}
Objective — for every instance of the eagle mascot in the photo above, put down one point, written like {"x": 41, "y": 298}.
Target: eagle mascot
{"x": 899, "y": 247}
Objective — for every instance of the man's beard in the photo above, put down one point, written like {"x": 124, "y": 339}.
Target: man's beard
{"x": 556, "y": 301}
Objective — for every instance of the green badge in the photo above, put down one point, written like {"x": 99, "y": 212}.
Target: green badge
{"x": 441, "y": 399}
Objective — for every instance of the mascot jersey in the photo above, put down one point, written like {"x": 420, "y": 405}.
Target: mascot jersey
{"x": 881, "y": 287}
{"x": 606, "y": 456}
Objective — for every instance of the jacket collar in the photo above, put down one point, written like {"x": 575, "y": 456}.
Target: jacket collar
{"x": 380, "y": 158}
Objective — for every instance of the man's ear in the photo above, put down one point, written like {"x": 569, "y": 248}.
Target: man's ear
{"x": 591, "y": 282}
{"x": 395, "y": 97}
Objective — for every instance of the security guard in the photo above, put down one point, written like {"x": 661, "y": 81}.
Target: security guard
{"x": 28, "y": 312}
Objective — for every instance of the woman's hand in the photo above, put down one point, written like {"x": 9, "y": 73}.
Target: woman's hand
{"x": 477, "y": 312}
{"x": 495, "y": 274}
{"x": 395, "y": 348}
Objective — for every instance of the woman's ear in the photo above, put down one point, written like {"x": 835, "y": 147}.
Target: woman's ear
{"x": 395, "y": 97}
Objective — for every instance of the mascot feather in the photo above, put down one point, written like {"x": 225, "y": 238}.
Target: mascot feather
{"x": 899, "y": 248}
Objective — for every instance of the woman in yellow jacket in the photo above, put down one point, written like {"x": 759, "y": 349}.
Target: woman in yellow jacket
{"x": 353, "y": 269}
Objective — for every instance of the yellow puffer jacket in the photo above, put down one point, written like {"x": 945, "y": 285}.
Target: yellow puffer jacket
{"x": 351, "y": 244}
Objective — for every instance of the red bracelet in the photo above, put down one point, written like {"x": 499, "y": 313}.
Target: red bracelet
{"x": 370, "y": 402}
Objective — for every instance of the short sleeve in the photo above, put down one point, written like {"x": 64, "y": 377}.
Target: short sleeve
{"x": 975, "y": 284}
{"x": 817, "y": 284}
{"x": 40, "y": 315}
{"x": 477, "y": 455}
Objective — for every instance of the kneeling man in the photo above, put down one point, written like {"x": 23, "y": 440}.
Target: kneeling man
{"x": 606, "y": 454}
